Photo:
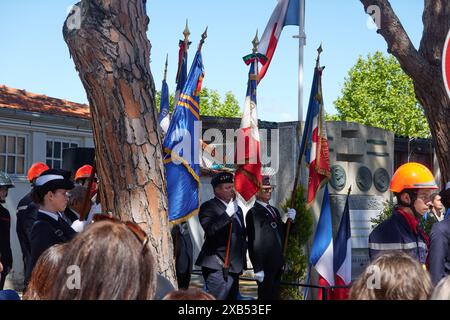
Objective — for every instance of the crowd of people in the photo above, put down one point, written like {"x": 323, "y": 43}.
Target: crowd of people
{"x": 66, "y": 246}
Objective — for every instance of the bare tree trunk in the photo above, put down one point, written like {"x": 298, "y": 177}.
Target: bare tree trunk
{"x": 423, "y": 66}
{"x": 108, "y": 42}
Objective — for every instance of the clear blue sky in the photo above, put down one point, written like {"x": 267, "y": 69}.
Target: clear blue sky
{"x": 34, "y": 56}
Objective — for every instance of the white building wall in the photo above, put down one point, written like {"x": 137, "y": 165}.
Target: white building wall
{"x": 36, "y": 134}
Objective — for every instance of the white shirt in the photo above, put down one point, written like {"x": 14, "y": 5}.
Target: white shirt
{"x": 52, "y": 215}
{"x": 265, "y": 206}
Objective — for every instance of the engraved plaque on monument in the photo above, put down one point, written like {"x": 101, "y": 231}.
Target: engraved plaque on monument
{"x": 338, "y": 177}
{"x": 364, "y": 179}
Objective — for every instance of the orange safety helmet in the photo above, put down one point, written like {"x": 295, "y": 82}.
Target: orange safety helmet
{"x": 35, "y": 170}
{"x": 412, "y": 175}
{"x": 84, "y": 172}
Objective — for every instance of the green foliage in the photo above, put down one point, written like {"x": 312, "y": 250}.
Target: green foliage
{"x": 385, "y": 214}
{"x": 378, "y": 93}
{"x": 297, "y": 260}
{"x": 158, "y": 100}
{"x": 211, "y": 104}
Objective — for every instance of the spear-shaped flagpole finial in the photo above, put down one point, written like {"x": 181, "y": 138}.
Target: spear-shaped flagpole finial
{"x": 186, "y": 34}
{"x": 319, "y": 51}
{"x": 204, "y": 36}
{"x": 165, "y": 68}
{"x": 255, "y": 42}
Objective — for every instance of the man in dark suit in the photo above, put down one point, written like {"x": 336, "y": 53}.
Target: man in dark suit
{"x": 439, "y": 255}
{"x": 50, "y": 194}
{"x": 218, "y": 216}
{"x": 182, "y": 244}
{"x": 265, "y": 231}
{"x": 5, "y": 224}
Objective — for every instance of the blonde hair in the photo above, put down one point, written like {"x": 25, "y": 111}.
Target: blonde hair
{"x": 392, "y": 276}
{"x": 442, "y": 290}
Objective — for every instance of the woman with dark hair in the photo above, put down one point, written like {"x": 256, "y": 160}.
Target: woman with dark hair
{"x": 113, "y": 261}
{"x": 47, "y": 266}
{"x": 50, "y": 194}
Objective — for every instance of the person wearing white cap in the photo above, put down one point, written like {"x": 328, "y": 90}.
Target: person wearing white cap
{"x": 50, "y": 194}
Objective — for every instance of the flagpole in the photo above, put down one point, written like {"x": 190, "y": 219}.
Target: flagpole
{"x": 165, "y": 67}
{"x": 298, "y": 170}
{"x": 301, "y": 45}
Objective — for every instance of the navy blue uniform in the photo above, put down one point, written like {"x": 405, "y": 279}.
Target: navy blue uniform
{"x": 45, "y": 233}
{"x": 26, "y": 216}
{"x": 440, "y": 251}
{"x": 215, "y": 222}
{"x": 395, "y": 234}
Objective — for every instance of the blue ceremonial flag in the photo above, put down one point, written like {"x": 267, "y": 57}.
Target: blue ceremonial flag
{"x": 181, "y": 148}
{"x": 164, "y": 117}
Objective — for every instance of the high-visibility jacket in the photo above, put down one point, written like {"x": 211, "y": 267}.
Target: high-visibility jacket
{"x": 396, "y": 234}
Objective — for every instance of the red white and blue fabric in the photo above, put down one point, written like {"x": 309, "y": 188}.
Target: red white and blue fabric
{"x": 286, "y": 13}
{"x": 343, "y": 256}
{"x": 314, "y": 145}
{"x": 181, "y": 72}
{"x": 322, "y": 253}
{"x": 314, "y": 141}
{"x": 248, "y": 177}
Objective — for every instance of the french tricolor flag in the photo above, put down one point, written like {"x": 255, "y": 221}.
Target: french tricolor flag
{"x": 286, "y": 13}
{"x": 322, "y": 253}
{"x": 343, "y": 256}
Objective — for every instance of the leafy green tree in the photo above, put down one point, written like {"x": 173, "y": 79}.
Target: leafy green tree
{"x": 378, "y": 93}
{"x": 211, "y": 104}
{"x": 296, "y": 256}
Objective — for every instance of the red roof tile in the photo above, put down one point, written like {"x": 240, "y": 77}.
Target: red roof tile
{"x": 11, "y": 98}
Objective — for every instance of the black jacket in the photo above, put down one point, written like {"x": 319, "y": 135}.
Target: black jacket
{"x": 5, "y": 242}
{"x": 183, "y": 248}
{"x": 45, "y": 233}
{"x": 265, "y": 238}
{"x": 215, "y": 222}
{"x": 26, "y": 216}
{"x": 439, "y": 256}
{"x": 394, "y": 234}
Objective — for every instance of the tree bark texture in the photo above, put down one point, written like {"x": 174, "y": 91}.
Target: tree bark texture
{"x": 424, "y": 67}
{"x": 111, "y": 52}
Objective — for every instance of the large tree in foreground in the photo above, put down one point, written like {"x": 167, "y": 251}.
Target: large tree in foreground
{"x": 378, "y": 93}
{"x": 422, "y": 65}
{"x": 108, "y": 42}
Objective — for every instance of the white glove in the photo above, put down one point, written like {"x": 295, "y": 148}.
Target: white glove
{"x": 291, "y": 213}
{"x": 259, "y": 276}
{"x": 232, "y": 207}
{"x": 78, "y": 225}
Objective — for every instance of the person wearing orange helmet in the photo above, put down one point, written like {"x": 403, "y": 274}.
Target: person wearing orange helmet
{"x": 26, "y": 214}
{"x": 412, "y": 185}
{"x": 82, "y": 178}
